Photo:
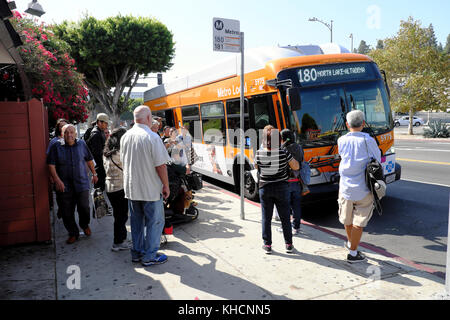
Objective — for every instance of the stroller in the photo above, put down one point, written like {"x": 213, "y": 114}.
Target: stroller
{"x": 178, "y": 207}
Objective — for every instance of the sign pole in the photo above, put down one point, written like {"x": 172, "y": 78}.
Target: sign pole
{"x": 227, "y": 37}
{"x": 242, "y": 142}
{"x": 447, "y": 277}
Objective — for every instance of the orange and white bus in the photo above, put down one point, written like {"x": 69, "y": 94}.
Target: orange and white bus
{"x": 308, "y": 89}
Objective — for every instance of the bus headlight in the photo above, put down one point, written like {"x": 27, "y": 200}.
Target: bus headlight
{"x": 315, "y": 173}
{"x": 391, "y": 150}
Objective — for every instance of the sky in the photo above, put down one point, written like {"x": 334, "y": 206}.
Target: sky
{"x": 264, "y": 22}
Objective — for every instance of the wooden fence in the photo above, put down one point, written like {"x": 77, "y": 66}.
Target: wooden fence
{"x": 24, "y": 181}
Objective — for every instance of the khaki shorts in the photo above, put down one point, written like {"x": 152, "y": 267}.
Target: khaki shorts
{"x": 357, "y": 213}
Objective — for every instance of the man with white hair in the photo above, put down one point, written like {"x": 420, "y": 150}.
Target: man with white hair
{"x": 146, "y": 183}
{"x": 67, "y": 164}
{"x": 356, "y": 202}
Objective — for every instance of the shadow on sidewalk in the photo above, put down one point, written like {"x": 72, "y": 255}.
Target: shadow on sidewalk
{"x": 207, "y": 278}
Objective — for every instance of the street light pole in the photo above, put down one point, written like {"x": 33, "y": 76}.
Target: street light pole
{"x": 351, "y": 37}
{"x": 328, "y": 25}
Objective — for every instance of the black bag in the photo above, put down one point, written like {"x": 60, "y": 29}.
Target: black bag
{"x": 194, "y": 181}
{"x": 100, "y": 205}
{"x": 375, "y": 179}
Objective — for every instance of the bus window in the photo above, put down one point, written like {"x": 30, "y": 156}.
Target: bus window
{"x": 321, "y": 116}
{"x": 289, "y": 118}
{"x": 169, "y": 118}
{"x": 213, "y": 123}
{"x": 263, "y": 111}
{"x": 191, "y": 119}
{"x": 371, "y": 98}
{"x": 234, "y": 121}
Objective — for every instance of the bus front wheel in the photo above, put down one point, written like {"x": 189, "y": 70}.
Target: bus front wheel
{"x": 251, "y": 190}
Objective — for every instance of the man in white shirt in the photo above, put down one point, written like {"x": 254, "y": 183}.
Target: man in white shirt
{"x": 146, "y": 182}
{"x": 356, "y": 202}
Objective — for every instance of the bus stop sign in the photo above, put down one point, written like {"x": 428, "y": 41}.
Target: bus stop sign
{"x": 226, "y": 35}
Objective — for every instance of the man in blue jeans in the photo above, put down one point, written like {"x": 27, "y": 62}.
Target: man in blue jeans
{"x": 146, "y": 182}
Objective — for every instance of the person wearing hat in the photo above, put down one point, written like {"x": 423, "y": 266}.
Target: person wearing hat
{"x": 96, "y": 144}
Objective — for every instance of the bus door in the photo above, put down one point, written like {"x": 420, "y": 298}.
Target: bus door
{"x": 262, "y": 113}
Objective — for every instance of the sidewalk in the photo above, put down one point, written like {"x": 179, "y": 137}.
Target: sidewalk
{"x": 218, "y": 256}
{"x": 417, "y": 137}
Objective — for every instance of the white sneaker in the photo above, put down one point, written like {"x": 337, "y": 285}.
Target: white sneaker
{"x": 121, "y": 246}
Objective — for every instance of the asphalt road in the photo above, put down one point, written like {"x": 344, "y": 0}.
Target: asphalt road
{"x": 414, "y": 224}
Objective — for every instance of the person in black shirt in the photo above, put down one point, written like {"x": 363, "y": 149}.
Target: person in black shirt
{"x": 295, "y": 186}
{"x": 273, "y": 166}
{"x": 96, "y": 144}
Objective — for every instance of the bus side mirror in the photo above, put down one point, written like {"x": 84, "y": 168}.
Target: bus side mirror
{"x": 386, "y": 84}
{"x": 293, "y": 99}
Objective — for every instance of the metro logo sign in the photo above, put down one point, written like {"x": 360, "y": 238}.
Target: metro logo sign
{"x": 226, "y": 35}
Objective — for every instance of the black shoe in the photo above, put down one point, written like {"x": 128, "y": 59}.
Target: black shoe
{"x": 358, "y": 258}
{"x": 289, "y": 248}
{"x": 267, "y": 249}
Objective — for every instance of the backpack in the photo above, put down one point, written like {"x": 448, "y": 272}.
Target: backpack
{"x": 87, "y": 134}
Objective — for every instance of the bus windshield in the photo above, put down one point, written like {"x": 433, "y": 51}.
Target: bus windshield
{"x": 321, "y": 119}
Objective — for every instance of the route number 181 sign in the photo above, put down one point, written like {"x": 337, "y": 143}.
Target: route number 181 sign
{"x": 226, "y": 35}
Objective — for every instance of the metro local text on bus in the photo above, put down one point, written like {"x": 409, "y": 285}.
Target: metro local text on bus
{"x": 228, "y": 92}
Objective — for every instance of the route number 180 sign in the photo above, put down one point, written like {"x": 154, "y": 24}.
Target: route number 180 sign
{"x": 226, "y": 35}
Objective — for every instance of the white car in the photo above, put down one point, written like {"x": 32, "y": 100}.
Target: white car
{"x": 404, "y": 121}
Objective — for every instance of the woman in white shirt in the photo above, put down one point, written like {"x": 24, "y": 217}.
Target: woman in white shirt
{"x": 114, "y": 188}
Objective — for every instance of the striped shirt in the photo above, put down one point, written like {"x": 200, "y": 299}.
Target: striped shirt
{"x": 273, "y": 165}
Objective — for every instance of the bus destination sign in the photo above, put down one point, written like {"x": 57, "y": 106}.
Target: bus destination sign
{"x": 316, "y": 75}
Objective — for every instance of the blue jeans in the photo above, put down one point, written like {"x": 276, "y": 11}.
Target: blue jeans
{"x": 276, "y": 193}
{"x": 295, "y": 193}
{"x": 148, "y": 215}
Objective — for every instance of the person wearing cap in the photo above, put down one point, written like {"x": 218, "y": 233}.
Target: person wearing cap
{"x": 96, "y": 144}
{"x": 356, "y": 202}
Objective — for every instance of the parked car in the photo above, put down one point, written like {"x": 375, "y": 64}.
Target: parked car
{"x": 404, "y": 121}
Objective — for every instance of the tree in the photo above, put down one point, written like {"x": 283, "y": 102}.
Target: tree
{"x": 363, "y": 47}
{"x": 51, "y": 71}
{"x": 380, "y": 44}
{"x": 447, "y": 45}
{"x": 432, "y": 36}
{"x": 417, "y": 72}
{"x": 113, "y": 54}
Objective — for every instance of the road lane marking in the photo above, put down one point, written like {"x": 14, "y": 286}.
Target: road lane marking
{"x": 425, "y": 182}
{"x": 420, "y": 149}
{"x": 424, "y": 161}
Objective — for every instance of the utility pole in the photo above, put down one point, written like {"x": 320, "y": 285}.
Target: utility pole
{"x": 351, "y": 37}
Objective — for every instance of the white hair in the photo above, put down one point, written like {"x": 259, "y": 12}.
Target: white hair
{"x": 355, "y": 118}
{"x": 67, "y": 126}
{"x": 141, "y": 113}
